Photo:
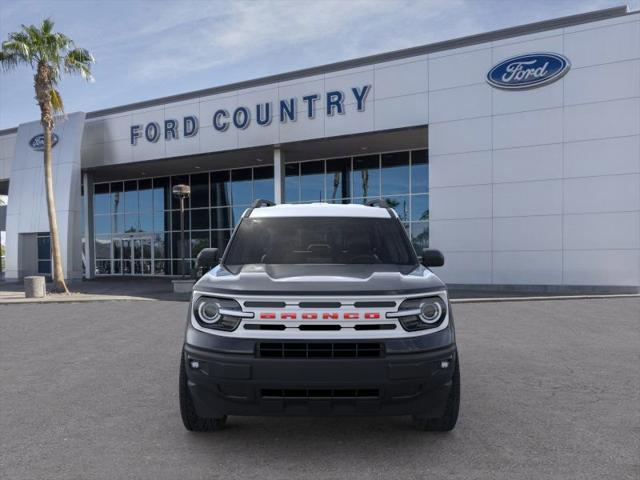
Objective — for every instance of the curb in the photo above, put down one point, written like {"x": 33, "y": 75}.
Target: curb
{"x": 540, "y": 299}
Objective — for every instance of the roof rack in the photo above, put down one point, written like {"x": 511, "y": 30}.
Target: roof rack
{"x": 259, "y": 203}
{"x": 262, "y": 203}
{"x": 377, "y": 202}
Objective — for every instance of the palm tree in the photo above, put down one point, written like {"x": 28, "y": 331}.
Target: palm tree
{"x": 50, "y": 55}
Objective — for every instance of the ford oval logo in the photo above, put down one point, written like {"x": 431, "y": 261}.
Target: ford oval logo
{"x": 528, "y": 71}
{"x": 37, "y": 142}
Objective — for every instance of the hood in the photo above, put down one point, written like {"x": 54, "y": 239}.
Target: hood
{"x": 262, "y": 279}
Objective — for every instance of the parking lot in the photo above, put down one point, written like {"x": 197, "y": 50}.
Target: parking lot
{"x": 550, "y": 389}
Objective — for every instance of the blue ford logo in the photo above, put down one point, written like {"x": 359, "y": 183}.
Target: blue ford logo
{"x": 528, "y": 71}
{"x": 37, "y": 142}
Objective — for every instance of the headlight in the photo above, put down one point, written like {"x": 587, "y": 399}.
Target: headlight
{"x": 421, "y": 313}
{"x": 217, "y": 313}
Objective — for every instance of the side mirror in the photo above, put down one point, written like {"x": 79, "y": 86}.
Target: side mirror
{"x": 432, "y": 257}
{"x": 206, "y": 260}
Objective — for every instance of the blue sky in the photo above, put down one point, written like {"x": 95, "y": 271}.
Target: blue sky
{"x": 149, "y": 49}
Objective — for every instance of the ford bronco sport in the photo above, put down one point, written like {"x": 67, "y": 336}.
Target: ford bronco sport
{"x": 319, "y": 309}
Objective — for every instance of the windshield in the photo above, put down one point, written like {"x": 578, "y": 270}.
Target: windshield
{"x": 320, "y": 240}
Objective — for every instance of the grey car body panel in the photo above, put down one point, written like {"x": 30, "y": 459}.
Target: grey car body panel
{"x": 259, "y": 279}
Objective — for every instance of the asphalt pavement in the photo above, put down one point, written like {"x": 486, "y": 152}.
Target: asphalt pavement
{"x": 550, "y": 389}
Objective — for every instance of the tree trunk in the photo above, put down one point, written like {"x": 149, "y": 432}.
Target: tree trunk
{"x": 59, "y": 284}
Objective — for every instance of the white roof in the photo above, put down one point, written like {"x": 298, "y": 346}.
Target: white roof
{"x": 320, "y": 210}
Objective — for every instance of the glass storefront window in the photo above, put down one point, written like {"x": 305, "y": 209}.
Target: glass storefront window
{"x": 220, "y": 218}
{"x": 292, "y": 182}
{"x": 419, "y": 171}
{"x": 241, "y": 191}
{"x": 101, "y": 199}
{"x": 220, "y": 189}
{"x": 395, "y": 173}
{"x": 419, "y": 207}
{"x": 263, "y": 183}
{"x": 144, "y": 210}
{"x": 337, "y": 179}
{"x": 145, "y": 195}
{"x": 420, "y": 236}
{"x": 200, "y": 190}
{"x": 200, "y": 219}
{"x": 161, "y": 194}
{"x": 312, "y": 181}
{"x": 199, "y": 240}
{"x": 366, "y": 176}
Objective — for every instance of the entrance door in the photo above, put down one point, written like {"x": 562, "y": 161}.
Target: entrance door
{"x": 133, "y": 256}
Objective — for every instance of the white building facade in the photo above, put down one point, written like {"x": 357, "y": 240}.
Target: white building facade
{"x": 515, "y": 152}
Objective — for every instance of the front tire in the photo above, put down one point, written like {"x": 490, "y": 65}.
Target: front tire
{"x": 448, "y": 420}
{"x": 190, "y": 418}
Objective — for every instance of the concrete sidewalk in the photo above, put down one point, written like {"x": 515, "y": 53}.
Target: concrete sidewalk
{"x": 103, "y": 289}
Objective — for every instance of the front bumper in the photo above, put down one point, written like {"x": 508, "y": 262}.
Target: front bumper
{"x": 232, "y": 379}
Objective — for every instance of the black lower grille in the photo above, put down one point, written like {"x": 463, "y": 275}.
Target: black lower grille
{"x": 320, "y": 350}
{"x": 320, "y": 393}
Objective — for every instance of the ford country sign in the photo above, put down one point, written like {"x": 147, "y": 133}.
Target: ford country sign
{"x": 37, "y": 142}
{"x": 528, "y": 71}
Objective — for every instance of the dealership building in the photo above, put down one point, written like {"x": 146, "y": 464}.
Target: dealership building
{"x": 515, "y": 152}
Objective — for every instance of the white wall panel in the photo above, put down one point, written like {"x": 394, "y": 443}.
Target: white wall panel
{"x": 615, "y": 193}
{"x": 398, "y": 112}
{"x": 303, "y": 129}
{"x": 529, "y": 268}
{"x": 461, "y": 235}
{"x": 602, "y": 267}
{"x": 465, "y": 267}
{"x": 527, "y": 198}
{"x": 345, "y": 82}
{"x": 540, "y": 162}
{"x": 456, "y": 70}
{"x": 602, "y": 231}
{"x": 459, "y": 103}
{"x": 601, "y": 120}
{"x": 398, "y": 80}
{"x": 527, "y": 128}
{"x": 460, "y": 202}
{"x": 608, "y": 156}
{"x": 549, "y": 96}
{"x": 351, "y": 122}
{"x": 539, "y": 232}
{"x": 603, "y": 45}
{"x": 460, "y": 136}
{"x": 602, "y": 82}
{"x": 212, "y": 140}
{"x": 471, "y": 168}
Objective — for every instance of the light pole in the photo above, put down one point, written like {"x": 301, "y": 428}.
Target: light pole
{"x": 182, "y": 192}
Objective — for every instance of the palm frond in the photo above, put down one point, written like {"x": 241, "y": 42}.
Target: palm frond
{"x": 56, "y": 101}
{"x": 79, "y": 61}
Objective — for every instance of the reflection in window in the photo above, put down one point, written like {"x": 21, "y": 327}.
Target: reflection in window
{"x": 312, "y": 181}
{"x": 420, "y": 236}
{"x": 200, "y": 190}
{"x": 263, "y": 183}
{"x": 337, "y": 179}
{"x": 366, "y": 177}
{"x": 419, "y": 207}
{"x": 395, "y": 173}
{"x": 292, "y": 183}
{"x": 220, "y": 189}
{"x": 401, "y": 205}
{"x": 419, "y": 171}
{"x": 241, "y": 191}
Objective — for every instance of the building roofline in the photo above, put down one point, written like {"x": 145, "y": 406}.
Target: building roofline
{"x": 494, "y": 35}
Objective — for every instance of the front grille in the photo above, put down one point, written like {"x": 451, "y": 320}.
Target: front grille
{"x": 320, "y": 393}
{"x": 320, "y": 350}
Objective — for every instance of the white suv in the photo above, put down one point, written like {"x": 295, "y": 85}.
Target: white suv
{"x": 319, "y": 309}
